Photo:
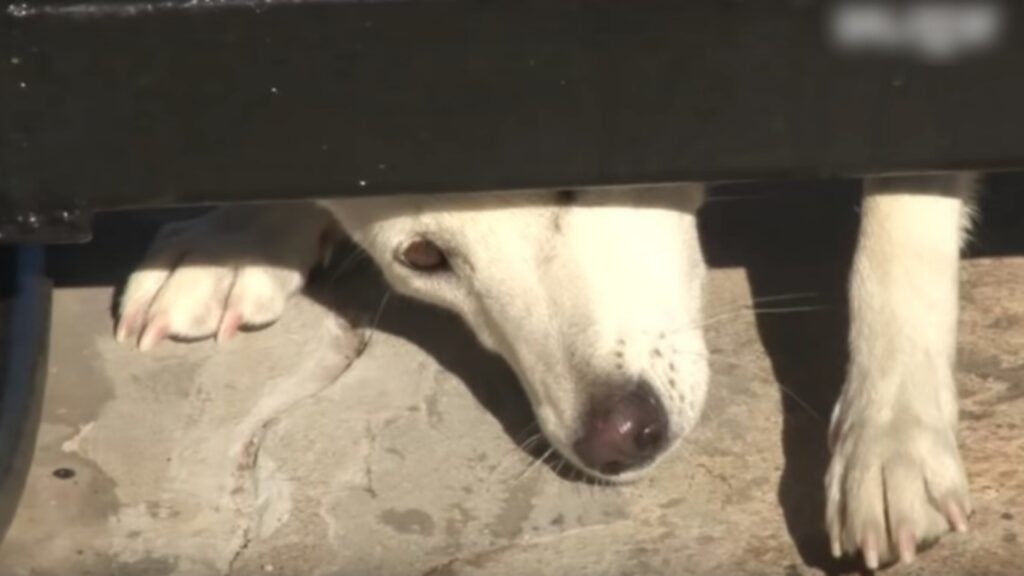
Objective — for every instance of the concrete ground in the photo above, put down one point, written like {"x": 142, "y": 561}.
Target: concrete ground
{"x": 278, "y": 454}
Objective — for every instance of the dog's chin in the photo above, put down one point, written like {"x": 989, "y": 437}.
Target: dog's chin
{"x": 625, "y": 478}
{"x": 632, "y": 476}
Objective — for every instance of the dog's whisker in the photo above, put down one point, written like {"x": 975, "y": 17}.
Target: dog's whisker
{"x": 711, "y": 198}
{"x": 509, "y": 456}
{"x": 715, "y": 356}
{"x": 785, "y": 390}
{"x": 766, "y": 299}
{"x": 531, "y": 426}
{"x": 569, "y": 474}
{"x": 560, "y": 464}
{"x": 575, "y": 480}
{"x": 764, "y": 311}
{"x": 533, "y": 465}
{"x": 530, "y": 443}
{"x": 528, "y": 447}
{"x": 355, "y": 255}
{"x": 369, "y": 332}
{"x": 784, "y": 297}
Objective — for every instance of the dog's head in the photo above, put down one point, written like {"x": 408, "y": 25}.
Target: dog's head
{"x": 592, "y": 297}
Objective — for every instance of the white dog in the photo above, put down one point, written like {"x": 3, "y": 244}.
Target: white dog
{"x": 594, "y": 298}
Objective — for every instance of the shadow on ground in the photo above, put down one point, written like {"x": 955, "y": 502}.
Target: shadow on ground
{"x": 791, "y": 238}
{"x": 796, "y": 239}
{"x": 799, "y": 238}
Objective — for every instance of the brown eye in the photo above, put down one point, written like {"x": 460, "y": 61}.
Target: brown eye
{"x": 425, "y": 256}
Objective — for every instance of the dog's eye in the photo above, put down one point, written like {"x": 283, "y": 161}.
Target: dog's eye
{"x": 424, "y": 256}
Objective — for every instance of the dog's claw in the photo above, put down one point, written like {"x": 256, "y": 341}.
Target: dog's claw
{"x": 229, "y": 326}
{"x": 209, "y": 277}
{"x": 155, "y": 331}
{"x": 869, "y": 549}
{"x": 126, "y": 326}
{"x": 957, "y": 518}
{"x": 907, "y": 544}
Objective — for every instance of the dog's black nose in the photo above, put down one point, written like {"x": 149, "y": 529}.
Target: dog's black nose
{"x": 623, "y": 431}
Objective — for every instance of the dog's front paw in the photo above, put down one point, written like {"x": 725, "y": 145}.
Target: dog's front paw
{"x": 233, "y": 268}
{"x": 892, "y": 487}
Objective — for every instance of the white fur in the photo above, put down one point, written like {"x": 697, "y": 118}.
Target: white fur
{"x": 896, "y": 478}
{"x": 571, "y": 295}
{"x": 606, "y": 291}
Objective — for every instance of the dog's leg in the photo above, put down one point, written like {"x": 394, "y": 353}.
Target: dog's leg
{"x": 896, "y": 479}
{"x": 234, "y": 267}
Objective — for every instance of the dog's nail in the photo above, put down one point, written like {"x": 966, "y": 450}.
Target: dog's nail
{"x": 155, "y": 331}
{"x": 229, "y": 325}
{"x": 907, "y": 545}
{"x": 870, "y": 551}
{"x": 121, "y": 332}
{"x": 837, "y": 550}
{"x": 125, "y": 326}
{"x": 956, "y": 517}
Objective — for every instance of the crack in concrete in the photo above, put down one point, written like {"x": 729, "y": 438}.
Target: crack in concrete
{"x": 373, "y": 445}
{"x": 265, "y": 414}
{"x": 245, "y": 473}
{"x": 246, "y": 541}
{"x": 371, "y": 436}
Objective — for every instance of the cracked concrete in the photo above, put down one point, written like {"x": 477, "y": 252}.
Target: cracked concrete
{"x": 279, "y": 454}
